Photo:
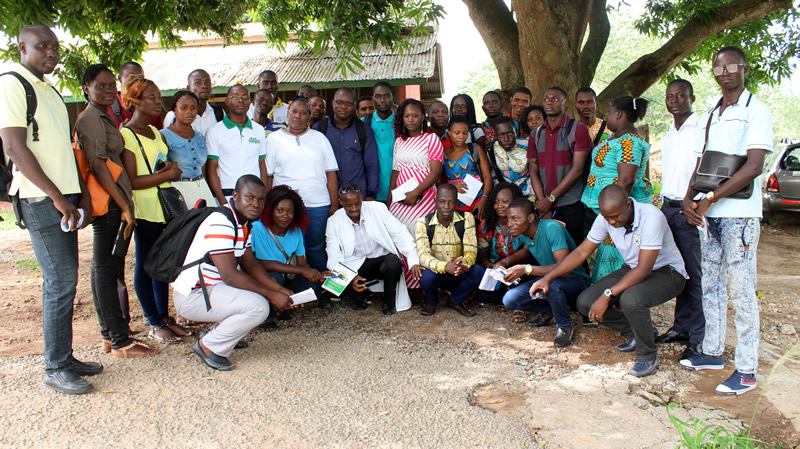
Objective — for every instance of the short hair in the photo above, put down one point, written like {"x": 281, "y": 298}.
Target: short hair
{"x": 36, "y": 27}
{"x": 360, "y": 99}
{"x": 586, "y": 90}
{"x": 235, "y": 86}
{"x": 128, "y": 65}
{"x": 247, "y": 179}
{"x": 523, "y": 120}
{"x": 348, "y": 90}
{"x": 634, "y": 108}
{"x": 684, "y": 83}
{"x": 522, "y": 89}
{"x": 400, "y": 127}
{"x": 504, "y": 119}
{"x": 350, "y": 187}
{"x": 279, "y": 193}
{"x": 189, "y": 76}
{"x": 183, "y": 93}
{"x": 493, "y": 92}
{"x": 613, "y": 194}
{"x": 446, "y": 186}
{"x": 734, "y": 49}
{"x": 303, "y": 100}
{"x": 458, "y": 119}
{"x": 132, "y": 92}
{"x": 382, "y": 84}
{"x": 91, "y": 73}
{"x": 558, "y": 88}
{"x": 266, "y": 72}
{"x": 309, "y": 86}
{"x": 473, "y": 121}
{"x": 264, "y": 91}
{"x": 430, "y": 106}
{"x": 523, "y": 203}
{"x": 316, "y": 96}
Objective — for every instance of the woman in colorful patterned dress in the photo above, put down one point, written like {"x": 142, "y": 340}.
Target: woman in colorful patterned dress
{"x": 462, "y": 159}
{"x": 620, "y": 160}
{"x": 496, "y": 247}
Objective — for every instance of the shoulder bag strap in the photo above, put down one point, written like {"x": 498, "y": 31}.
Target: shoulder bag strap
{"x": 141, "y": 148}
{"x": 708, "y": 124}
{"x": 280, "y": 247}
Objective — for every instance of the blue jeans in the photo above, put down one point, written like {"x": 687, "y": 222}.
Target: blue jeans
{"x": 57, "y": 253}
{"x": 563, "y": 291}
{"x": 729, "y": 255}
{"x": 153, "y": 295}
{"x": 314, "y": 238}
{"x": 459, "y": 286}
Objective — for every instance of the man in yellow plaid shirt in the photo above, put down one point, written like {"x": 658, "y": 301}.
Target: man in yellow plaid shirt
{"x": 447, "y": 247}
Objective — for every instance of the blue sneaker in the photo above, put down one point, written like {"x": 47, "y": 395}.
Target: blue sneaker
{"x": 703, "y": 361}
{"x": 628, "y": 346}
{"x": 645, "y": 367}
{"x": 737, "y": 384}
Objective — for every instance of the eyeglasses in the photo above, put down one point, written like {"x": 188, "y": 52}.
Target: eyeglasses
{"x": 344, "y": 103}
{"x": 730, "y": 68}
{"x": 347, "y": 188}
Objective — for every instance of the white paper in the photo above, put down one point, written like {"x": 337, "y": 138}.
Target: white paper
{"x": 65, "y": 225}
{"x": 474, "y": 187}
{"x": 488, "y": 283}
{"x": 704, "y": 230}
{"x": 399, "y": 193}
{"x": 303, "y": 297}
{"x": 500, "y": 274}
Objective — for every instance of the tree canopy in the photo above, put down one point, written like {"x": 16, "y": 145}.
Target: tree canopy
{"x": 534, "y": 43}
{"x": 114, "y": 32}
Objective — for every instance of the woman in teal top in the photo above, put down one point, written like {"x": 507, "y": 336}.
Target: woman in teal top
{"x": 620, "y": 160}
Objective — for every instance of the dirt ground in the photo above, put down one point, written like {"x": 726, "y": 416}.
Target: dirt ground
{"x": 778, "y": 285}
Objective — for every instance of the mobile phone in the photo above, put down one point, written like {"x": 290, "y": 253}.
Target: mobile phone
{"x": 121, "y": 243}
{"x": 539, "y": 294}
{"x": 371, "y": 283}
{"x": 160, "y": 165}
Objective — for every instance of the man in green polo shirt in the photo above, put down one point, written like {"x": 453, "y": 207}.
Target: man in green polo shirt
{"x": 236, "y": 146}
{"x": 382, "y": 122}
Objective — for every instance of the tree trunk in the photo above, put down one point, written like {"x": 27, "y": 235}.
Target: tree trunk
{"x": 498, "y": 29}
{"x": 650, "y": 68}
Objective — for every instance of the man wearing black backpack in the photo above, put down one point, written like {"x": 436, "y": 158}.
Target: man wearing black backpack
{"x": 557, "y": 153}
{"x": 35, "y": 133}
{"x": 238, "y": 300}
{"x": 353, "y": 144}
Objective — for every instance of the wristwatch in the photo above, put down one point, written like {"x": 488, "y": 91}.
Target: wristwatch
{"x": 608, "y": 293}
{"x": 528, "y": 269}
{"x": 711, "y": 197}
{"x": 551, "y": 198}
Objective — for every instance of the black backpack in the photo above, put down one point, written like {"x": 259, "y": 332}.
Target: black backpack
{"x": 165, "y": 260}
{"x": 219, "y": 114}
{"x": 362, "y": 135}
{"x": 6, "y": 165}
{"x": 431, "y": 228}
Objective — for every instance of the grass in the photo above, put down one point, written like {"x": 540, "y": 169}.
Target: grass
{"x": 698, "y": 435}
{"x": 28, "y": 263}
{"x": 8, "y": 220}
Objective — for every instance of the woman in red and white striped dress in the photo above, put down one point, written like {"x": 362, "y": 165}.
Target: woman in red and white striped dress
{"x": 418, "y": 154}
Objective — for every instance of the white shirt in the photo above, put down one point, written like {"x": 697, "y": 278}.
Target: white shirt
{"x": 201, "y": 123}
{"x": 741, "y": 127}
{"x": 214, "y": 235}
{"x": 364, "y": 245}
{"x": 649, "y": 230}
{"x": 302, "y": 163}
{"x": 238, "y": 150}
{"x": 678, "y": 156}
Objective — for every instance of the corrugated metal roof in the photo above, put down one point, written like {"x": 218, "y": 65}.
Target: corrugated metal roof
{"x": 244, "y": 62}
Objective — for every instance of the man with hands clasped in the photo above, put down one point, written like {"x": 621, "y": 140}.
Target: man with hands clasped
{"x": 652, "y": 274}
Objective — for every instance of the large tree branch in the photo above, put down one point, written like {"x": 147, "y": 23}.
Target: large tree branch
{"x": 498, "y": 29}
{"x": 648, "y": 69}
{"x": 599, "y": 30}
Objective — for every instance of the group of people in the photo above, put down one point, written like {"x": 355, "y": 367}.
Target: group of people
{"x": 385, "y": 191}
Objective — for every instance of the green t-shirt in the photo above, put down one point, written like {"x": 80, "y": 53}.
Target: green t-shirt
{"x": 551, "y": 237}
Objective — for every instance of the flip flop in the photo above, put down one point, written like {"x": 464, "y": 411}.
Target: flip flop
{"x": 152, "y": 334}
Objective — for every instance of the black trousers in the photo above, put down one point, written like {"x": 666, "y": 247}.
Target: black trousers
{"x": 109, "y": 293}
{"x": 573, "y": 216}
{"x": 634, "y": 318}
{"x": 387, "y": 268}
{"x": 689, "y": 316}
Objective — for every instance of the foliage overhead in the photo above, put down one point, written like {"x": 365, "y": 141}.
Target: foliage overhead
{"x": 113, "y": 32}
{"x": 769, "y": 42}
